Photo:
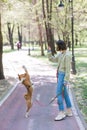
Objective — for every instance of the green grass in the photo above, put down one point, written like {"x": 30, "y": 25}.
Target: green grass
{"x": 7, "y": 49}
{"x": 80, "y": 80}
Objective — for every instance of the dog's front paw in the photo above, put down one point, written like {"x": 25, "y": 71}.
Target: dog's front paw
{"x": 27, "y": 115}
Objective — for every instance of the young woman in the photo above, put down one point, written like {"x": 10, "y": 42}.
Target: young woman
{"x": 63, "y": 60}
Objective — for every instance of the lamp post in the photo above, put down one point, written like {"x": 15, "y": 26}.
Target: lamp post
{"x": 73, "y": 71}
{"x": 61, "y": 4}
{"x": 72, "y": 31}
{"x": 29, "y": 42}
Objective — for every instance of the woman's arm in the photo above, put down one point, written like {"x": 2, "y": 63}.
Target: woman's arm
{"x": 50, "y": 57}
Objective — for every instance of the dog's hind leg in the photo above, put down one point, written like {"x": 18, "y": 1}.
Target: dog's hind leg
{"x": 29, "y": 105}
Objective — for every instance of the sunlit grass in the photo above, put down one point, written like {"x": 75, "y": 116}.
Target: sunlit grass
{"x": 7, "y": 49}
{"x": 80, "y": 81}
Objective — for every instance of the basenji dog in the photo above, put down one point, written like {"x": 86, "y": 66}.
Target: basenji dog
{"x": 26, "y": 81}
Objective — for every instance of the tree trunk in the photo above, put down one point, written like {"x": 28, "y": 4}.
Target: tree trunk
{"x": 20, "y": 34}
{"x": 40, "y": 34}
{"x": 48, "y": 15}
{"x": 10, "y": 33}
{"x": 1, "y": 52}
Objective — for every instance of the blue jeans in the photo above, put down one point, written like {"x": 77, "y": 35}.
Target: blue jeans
{"x": 62, "y": 89}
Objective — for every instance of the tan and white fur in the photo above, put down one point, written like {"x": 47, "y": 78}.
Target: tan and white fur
{"x": 26, "y": 81}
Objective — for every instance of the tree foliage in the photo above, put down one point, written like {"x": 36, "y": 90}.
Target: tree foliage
{"x": 20, "y": 12}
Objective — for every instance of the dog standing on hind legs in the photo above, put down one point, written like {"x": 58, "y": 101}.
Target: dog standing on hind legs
{"x": 25, "y": 80}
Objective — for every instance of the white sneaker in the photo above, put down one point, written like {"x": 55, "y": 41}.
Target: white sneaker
{"x": 69, "y": 114}
{"x": 60, "y": 116}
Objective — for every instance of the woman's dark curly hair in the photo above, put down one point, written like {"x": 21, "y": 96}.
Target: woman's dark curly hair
{"x": 61, "y": 45}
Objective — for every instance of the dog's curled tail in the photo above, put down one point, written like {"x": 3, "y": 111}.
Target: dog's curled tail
{"x": 24, "y": 68}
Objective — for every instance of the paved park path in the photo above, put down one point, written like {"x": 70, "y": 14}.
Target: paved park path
{"x": 42, "y": 116}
